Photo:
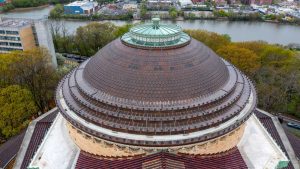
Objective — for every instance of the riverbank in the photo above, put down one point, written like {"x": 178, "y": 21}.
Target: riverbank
{"x": 58, "y": 13}
{"x": 129, "y": 17}
{"x": 18, "y": 7}
{"x": 239, "y": 31}
{"x": 29, "y": 8}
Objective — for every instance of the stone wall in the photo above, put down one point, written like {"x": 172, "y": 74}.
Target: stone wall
{"x": 101, "y": 147}
{"x": 217, "y": 145}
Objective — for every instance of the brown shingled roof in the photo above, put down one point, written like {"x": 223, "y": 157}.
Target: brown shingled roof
{"x": 10, "y": 148}
{"x": 163, "y": 160}
{"x": 156, "y": 92}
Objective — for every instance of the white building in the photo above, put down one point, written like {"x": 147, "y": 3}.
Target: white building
{"x": 130, "y": 7}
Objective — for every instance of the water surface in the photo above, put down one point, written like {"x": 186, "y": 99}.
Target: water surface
{"x": 238, "y": 30}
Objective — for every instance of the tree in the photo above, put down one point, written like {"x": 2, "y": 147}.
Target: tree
{"x": 7, "y": 7}
{"x": 92, "y": 37}
{"x": 243, "y": 58}
{"x": 121, "y": 30}
{"x": 173, "y": 12}
{"x": 6, "y": 73}
{"x": 143, "y": 10}
{"x": 87, "y": 39}
{"x": 62, "y": 40}
{"x": 257, "y": 46}
{"x": 16, "y": 109}
{"x": 191, "y": 15}
{"x": 220, "y": 13}
{"x": 270, "y": 97}
{"x": 211, "y": 39}
{"x": 57, "y": 11}
{"x": 280, "y": 72}
{"x": 33, "y": 70}
{"x": 277, "y": 56}
{"x": 28, "y": 3}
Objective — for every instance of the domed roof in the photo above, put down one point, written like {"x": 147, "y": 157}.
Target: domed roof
{"x": 174, "y": 75}
{"x": 156, "y": 96}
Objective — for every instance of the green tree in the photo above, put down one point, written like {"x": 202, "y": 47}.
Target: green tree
{"x": 257, "y": 46}
{"x": 28, "y": 3}
{"x": 220, "y": 13}
{"x": 270, "y": 17}
{"x": 57, "y": 11}
{"x": 280, "y": 72}
{"x": 191, "y": 15}
{"x": 62, "y": 40}
{"x": 92, "y": 37}
{"x": 6, "y": 73}
{"x": 243, "y": 58}
{"x": 211, "y": 39}
{"x": 121, "y": 30}
{"x": 143, "y": 9}
{"x": 276, "y": 56}
{"x": 85, "y": 41}
{"x": 173, "y": 12}
{"x": 33, "y": 70}
{"x": 7, "y": 7}
{"x": 16, "y": 109}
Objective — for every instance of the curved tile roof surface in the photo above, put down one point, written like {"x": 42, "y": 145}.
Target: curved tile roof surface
{"x": 156, "y": 92}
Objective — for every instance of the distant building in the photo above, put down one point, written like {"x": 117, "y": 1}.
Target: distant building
{"x": 185, "y": 3}
{"x": 198, "y": 1}
{"x": 220, "y": 2}
{"x": 246, "y": 2}
{"x": 257, "y": 2}
{"x": 159, "y": 4}
{"x": 23, "y": 34}
{"x": 263, "y": 2}
{"x": 130, "y": 7}
{"x": 81, "y": 7}
{"x": 2, "y": 2}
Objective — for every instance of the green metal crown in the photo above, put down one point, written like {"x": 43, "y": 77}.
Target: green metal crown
{"x": 156, "y": 35}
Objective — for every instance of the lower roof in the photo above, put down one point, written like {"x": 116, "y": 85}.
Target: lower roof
{"x": 10, "y": 148}
{"x": 230, "y": 159}
{"x": 58, "y": 155}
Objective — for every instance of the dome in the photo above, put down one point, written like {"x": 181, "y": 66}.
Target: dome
{"x": 145, "y": 94}
{"x": 164, "y": 77}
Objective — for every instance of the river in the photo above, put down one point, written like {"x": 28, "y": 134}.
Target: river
{"x": 237, "y": 30}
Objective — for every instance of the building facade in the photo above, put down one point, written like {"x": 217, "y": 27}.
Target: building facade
{"x": 81, "y": 7}
{"x": 25, "y": 34}
{"x": 16, "y": 35}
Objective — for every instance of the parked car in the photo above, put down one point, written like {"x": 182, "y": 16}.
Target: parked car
{"x": 293, "y": 125}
